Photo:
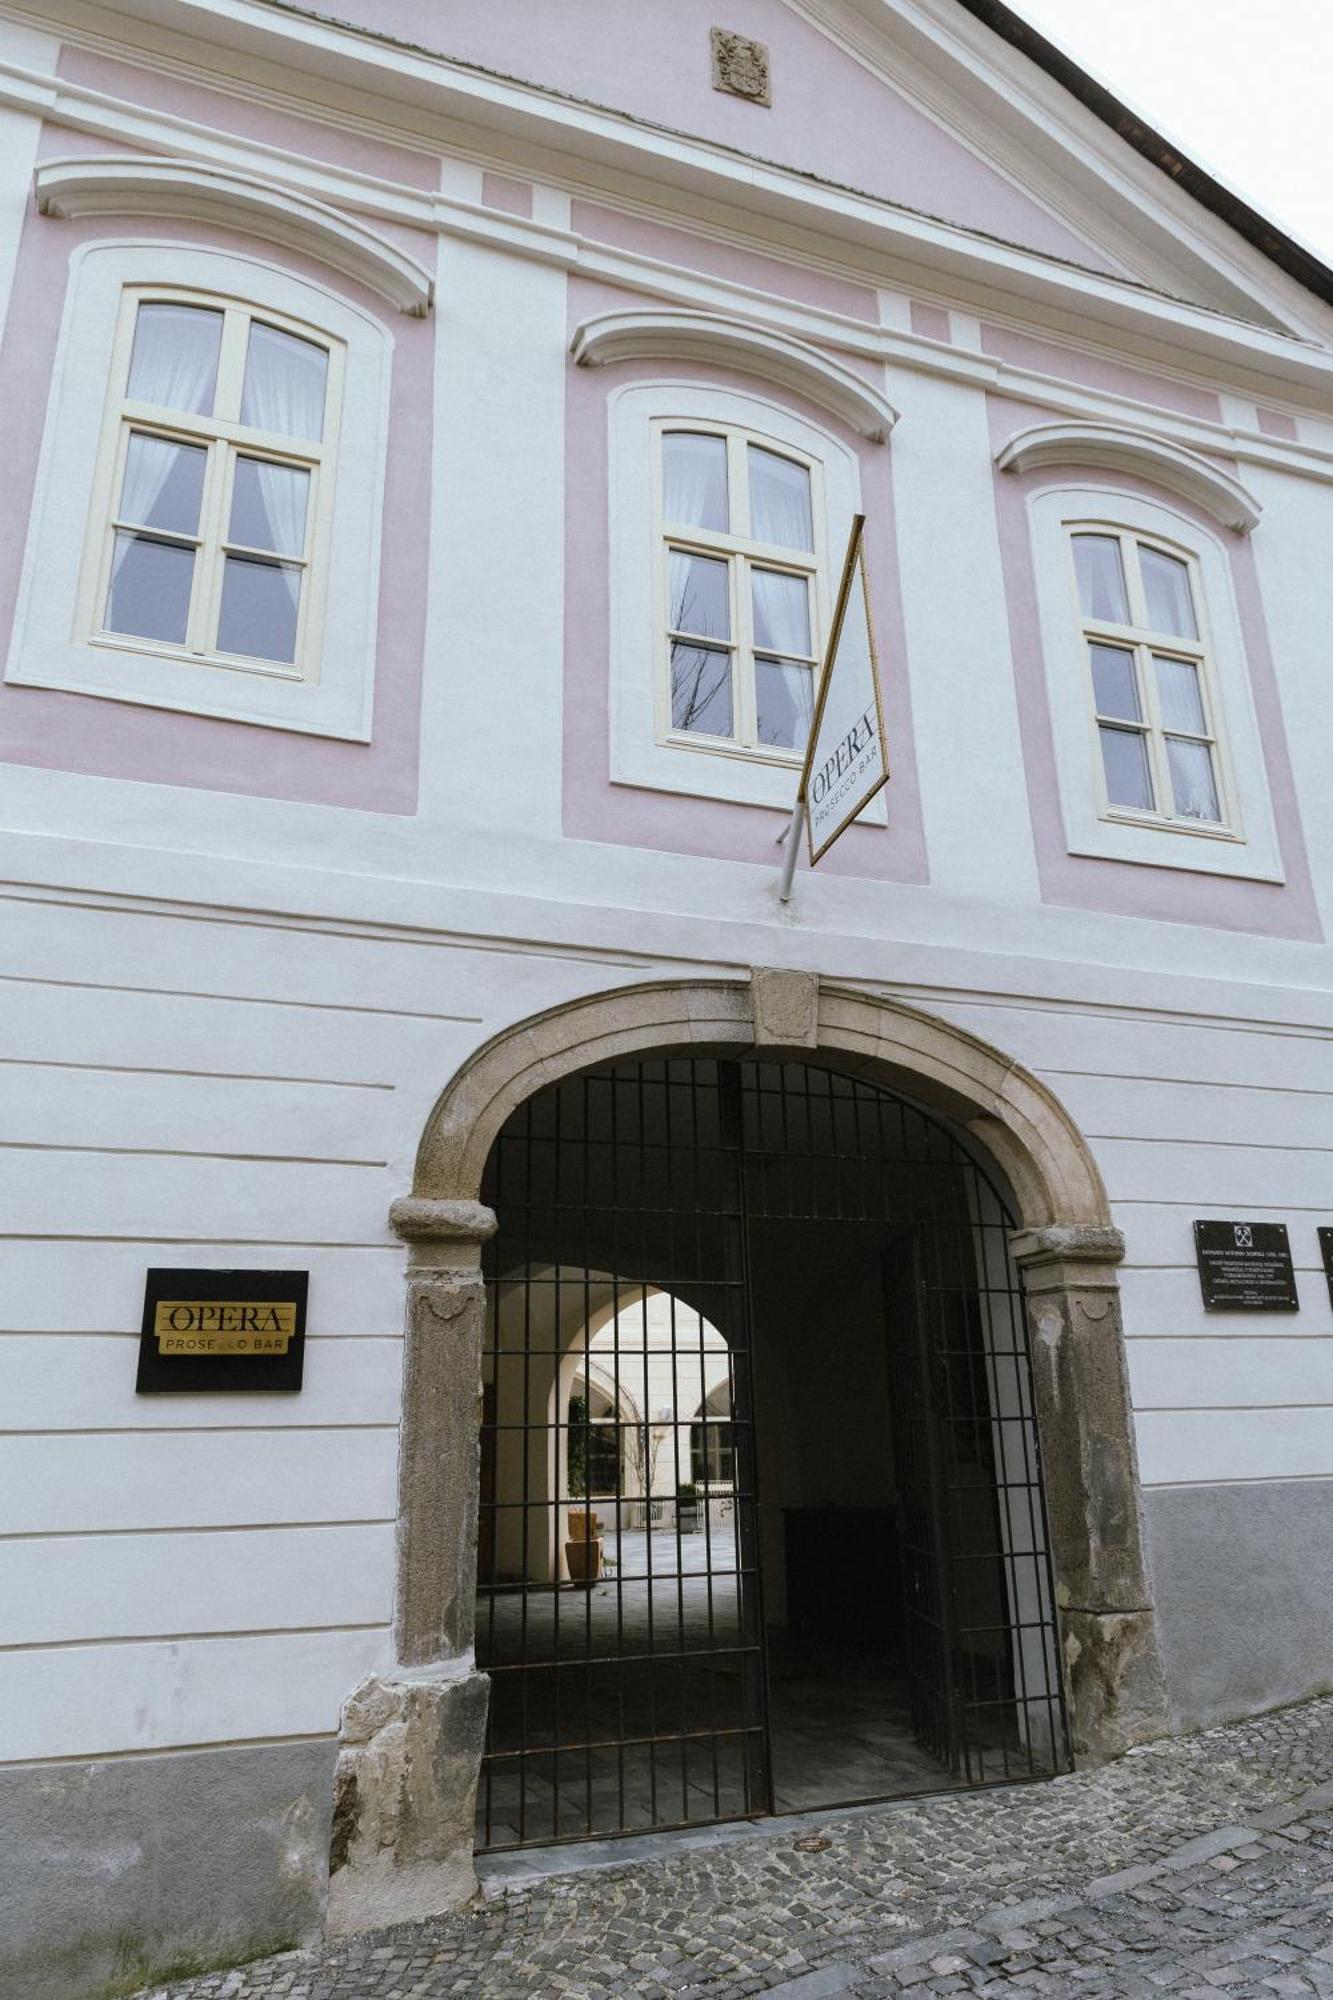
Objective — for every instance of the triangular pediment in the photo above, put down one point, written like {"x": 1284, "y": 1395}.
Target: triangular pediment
{"x": 919, "y": 104}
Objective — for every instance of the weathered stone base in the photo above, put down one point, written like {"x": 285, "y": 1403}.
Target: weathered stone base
{"x": 128, "y": 1870}
{"x": 1244, "y": 1586}
{"x": 1117, "y": 1696}
{"x": 405, "y": 1797}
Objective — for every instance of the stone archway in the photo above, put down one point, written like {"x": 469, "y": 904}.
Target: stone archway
{"x": 412, "y": 1742}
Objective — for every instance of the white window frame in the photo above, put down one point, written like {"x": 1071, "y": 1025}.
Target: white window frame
{"x": 741, "y": 552}
{"x": 59, "y": 637}
{"x": 1245, "y": 843}
{"x": 225, "y": 440}
{"x": 645, "y": 750}
{"x": 1142, "y": 642}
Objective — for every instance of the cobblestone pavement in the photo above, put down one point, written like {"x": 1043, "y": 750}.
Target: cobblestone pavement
{"x": 1202, "y": 1867}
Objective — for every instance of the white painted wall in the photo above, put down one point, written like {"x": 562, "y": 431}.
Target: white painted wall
{"x": 223, "y": 1022}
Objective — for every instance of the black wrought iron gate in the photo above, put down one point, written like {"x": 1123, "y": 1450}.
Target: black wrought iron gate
{"x": 620, "y": 1601}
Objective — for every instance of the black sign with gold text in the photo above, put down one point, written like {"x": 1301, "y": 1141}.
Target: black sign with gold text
{"x": 236, "y": 1330}
{"x": 1245, "y": 1267}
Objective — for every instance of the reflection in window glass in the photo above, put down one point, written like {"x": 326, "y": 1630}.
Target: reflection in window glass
{"x": 694, "y": 480}
{"x": 268, "y": 506}
{"x": 1101, "y": 578}
{"x": 259, "y": 606}
{"x": 1166, "y": 587}
{"x": 163, "y": 484}
{"x": 701, "y": 690}
{"x": 780, "y": 510}
{"x": 1192, "y": 782}
{"x": 1125, "y": 759}
{"x": 175, "y": 359}
{"x": 1114, "y": 683}
{"x": 285, "y": 381}
{"x": 700, "y": 601}
{"x": 150, "y": 589}
{"x": 785, "y": 693}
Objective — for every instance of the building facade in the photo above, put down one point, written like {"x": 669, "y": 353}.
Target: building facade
{"x": 430, "y": 437}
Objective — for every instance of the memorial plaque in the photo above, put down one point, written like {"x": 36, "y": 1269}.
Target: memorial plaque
{"x": 1326, "y": 1249}
{"x": 1245, "y": 1267}
{"x": 222, "y": 1330}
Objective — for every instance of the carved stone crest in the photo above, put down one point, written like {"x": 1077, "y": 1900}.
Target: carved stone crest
{"x": 740, "y": 67}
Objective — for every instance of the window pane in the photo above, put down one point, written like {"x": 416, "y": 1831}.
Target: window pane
{"x": 259, "y": 605}
{"x": 781, "y": 611}
{"x": 699, "y": 596}
{"x": 150, "y": 589}
{"x": 785, "y": 694}
{"x": 1114, "y": 685}
{"x": 268, "y": 506}
{"x": 1166, "y": 586}
{"x": 285, "y": 379}
{"x": 1192, "y": 782}
{"x": 1101, "y": 578}
{"x": 694, "y": 479}
{"x": 779, "y": 500}
{"x": 1125, "y": 756}
{"x": 1179, "y": 694}
{"x": 175, "y": 358}
{"x": 163, "y": 484}
{"x": 701, "y": 690}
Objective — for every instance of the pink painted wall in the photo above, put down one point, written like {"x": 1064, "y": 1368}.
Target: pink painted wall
{"x": 629, "y": 815}
{"x": 830, "y": 116}
{"x": 721, "y": 260}
{"x": 1049, "y": 357}
{"x": 103, "y": 738}
{"x": 267, "y": 125}
{"x": 1126, "y": 888}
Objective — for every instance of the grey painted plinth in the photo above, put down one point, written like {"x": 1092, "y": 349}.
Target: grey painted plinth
{"x": 123, "y": 1871}
{"x": 1245, "y": 1581}
{"x": 405, "y": 1800}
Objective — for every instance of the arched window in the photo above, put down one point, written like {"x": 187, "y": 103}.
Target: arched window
{"x": 739, "y": 559}
{"x": 205, "y": 532}
{"x": 728, "y": 511}
{"x": 1158, "y": 753}
{"x": 210, "y": 530}
{"x": 1151, "y": 676}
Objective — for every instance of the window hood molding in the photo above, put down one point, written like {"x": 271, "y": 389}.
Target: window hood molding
{"x": 118, "y": 185}
{"x": 1169, "y": 465}
{"x": 731, "y": 343}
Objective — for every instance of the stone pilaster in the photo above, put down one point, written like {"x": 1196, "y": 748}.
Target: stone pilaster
{"x": 411, "y": 1741}
{"x": 1113, "y": 1668}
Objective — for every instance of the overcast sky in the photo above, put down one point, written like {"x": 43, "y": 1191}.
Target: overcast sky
{"x": 1244, "y": 86}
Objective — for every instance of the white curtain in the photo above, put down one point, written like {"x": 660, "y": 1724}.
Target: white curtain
{"x": 1192, "y": 782}
{"x": 175, "y": 359}
{"x": 779, "y": 501}
{"x": 781, "y": 612}
{"x": 284, "y": 384}
{"x": 694, "y": 480}
{"x": 1101, "y": 578}
{"x": 1166, "y": 585}
{"x": 1178, "y": 692}
{"x": 149, "y": 463}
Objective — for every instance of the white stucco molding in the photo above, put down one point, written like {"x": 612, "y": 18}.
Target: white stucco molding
{"x": 124, "y": 186}
{"x": 1123, "y": 450}
{"x": 648, "y": 335}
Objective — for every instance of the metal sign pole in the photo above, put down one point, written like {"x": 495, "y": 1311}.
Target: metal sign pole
{"x": 793, "y": 839}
